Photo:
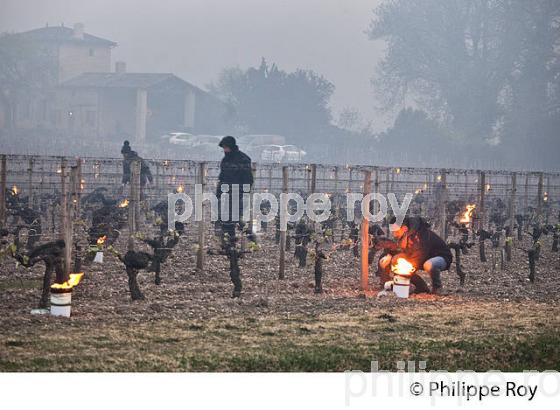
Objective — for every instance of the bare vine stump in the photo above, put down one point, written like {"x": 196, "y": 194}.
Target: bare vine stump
{"x": 319, "y": 256}
{"x": 458, "y": 249}
{"x": 532, "y": 262}
{"x": 507, "y": 248}
{"x": 135, "y": 292}
{"x": 482, "y": 250}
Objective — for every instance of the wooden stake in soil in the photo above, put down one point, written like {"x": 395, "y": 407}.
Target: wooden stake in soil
{"x": 30, "y": 183}
{"x": 511, "y": 207}
{"x": 68, "y": 240}
{"x": 79, "y": 186}
{"x": 284, "y": 211}
{"x": 540, "y": 196}
{"x": 66, "y": 225}
{"x": 313, "y": 178}
{"x": 133, "y": 205}
{"x": 481, "y": 198}
{"x": 201, "y": 224}
{"x": 443, "y": 205}
{"x": 3, "y": 191}
{"x": 365, "y": 235}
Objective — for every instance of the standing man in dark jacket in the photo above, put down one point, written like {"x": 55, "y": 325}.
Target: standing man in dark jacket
{"x": 235, "y": 172}
{"x": 420, "y": 246}
{"x": 128, "y": 157}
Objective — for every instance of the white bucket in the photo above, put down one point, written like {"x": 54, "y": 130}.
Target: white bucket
{"x": 98, "y": 257}
{"x": 401, "y": 286}
{"x": 61, "y": 304}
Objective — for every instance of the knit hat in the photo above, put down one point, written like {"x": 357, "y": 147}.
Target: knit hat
{"x": 228, "y": 141}
{"x": 126, "y": 147}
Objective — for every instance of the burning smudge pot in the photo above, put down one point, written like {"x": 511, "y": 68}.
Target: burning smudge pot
{"x": 402, "y": 271}
{"x": 61, "y": 295}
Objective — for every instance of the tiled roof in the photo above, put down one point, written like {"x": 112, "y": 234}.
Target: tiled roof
{"x": 62, "y": 34}
{"x": 124, "y": 80}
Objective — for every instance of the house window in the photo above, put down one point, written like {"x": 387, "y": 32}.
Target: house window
{"x": 90, "y": 118}
{"x": 91, "y": 52}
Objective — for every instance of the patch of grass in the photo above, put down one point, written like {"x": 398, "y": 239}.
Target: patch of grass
{"x": 481, "y": 339}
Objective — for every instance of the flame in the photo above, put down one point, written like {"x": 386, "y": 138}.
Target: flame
{"x": 124, "y": 203}
{"x": 15, "y": 190}
{"x": 180, "y": 189}
{"x": 403, "y": 267}
{"x": 466, "y": 217}
{"x": 101, "y": 240}
{"x": 73, "y": 281}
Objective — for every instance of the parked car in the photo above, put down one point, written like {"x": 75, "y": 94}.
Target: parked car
{"x": 207, "y": 146}
{"x": 249, "y": 142}
{"x": 179, "y": 138}
{"x": 268, "y": 153}
{"x": 293, "y": 153}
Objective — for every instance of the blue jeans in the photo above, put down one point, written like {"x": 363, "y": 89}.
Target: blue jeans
{"x": 434, "y": 266}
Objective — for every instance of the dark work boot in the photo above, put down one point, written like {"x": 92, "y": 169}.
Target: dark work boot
{"x": 436, "y": 281}
{"x": 420, "y": 284}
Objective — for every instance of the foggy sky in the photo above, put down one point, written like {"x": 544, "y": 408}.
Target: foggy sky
{"x": 195, "y": 39}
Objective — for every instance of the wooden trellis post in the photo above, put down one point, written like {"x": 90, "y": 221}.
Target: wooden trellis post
{"x": 540, "y": 188}
{"x": 158, "y": 180}
{"x": 526, "y": 198}
{"x": 283, "y": 216}
{"x": 252, "y": 226}
{"x": 365, "y": 236}
{"x": 69, "y": 228}
{"x": 30, "y": 183}
{"x": 78, "y": 187}
{"x": 376, "y": 191}
{"x": 65, "y": 224}
{"x": 547, "y": 196}
{"x": 481, "y": 197}
{"x": 335, "y": 179}
{"x": 511, "y": 207}
{"x": 313, "y": 178}
{"x": 443, "y": 199}
{"x": 3, "y": 170}
{"x": 134, "y": 202}
{"x": 201, "y": 225}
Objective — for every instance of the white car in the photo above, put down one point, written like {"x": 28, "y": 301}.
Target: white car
{"x": 179, "y": 138}
{"x": 207, "y": 145}
{"x": 293, "y": 153}
{"x": 270, "y": 153}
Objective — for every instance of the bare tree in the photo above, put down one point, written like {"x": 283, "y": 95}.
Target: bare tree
{"x": 26, "y": 70}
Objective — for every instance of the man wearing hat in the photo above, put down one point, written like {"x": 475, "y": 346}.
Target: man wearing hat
{"x": 235, "y": 171}
{"x": 420, "y": 246}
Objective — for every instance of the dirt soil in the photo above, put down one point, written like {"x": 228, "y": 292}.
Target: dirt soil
{"x": 498, "y": 320}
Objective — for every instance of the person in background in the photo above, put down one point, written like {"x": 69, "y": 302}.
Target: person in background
{"x": 128, "y": 157}
{"x": 235, "y": 169}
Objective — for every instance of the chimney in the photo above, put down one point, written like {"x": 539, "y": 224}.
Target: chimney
{"x": 78, "y": 32}
{"x": 120, "y": 67}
